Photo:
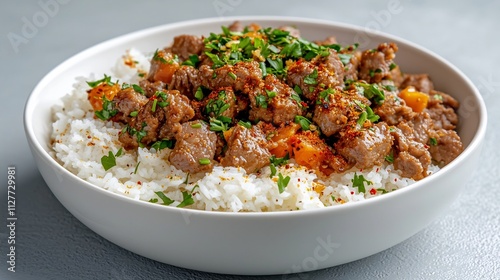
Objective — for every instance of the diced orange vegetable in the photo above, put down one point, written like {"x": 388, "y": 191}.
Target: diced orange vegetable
{"x": 96, "y": 94}
{"x": 309, "y": 150}
{"x": 414, "y": 99}
{"x": 281, "y": 138}
{"x": 165, "y": 72}
{"x": 228, "y": 133}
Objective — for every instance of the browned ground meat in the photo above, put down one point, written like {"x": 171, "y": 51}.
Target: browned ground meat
{"x": 244, "y": 76}
{"x": 393, "y": 110}
{"x": 421, "y": 82}
{"x": 186, "y": 45}
{"x": 337, "y": 110}
{"x": 150, "y": 88}
{"x": 376, "y": 64}
{"x": 128, "y": 101}
{"x": 177, "y": 111}
{"x": 273, "y": 102}
{"x": 185, "y": 79}
{"x": 366, "y": 147}
{"x": 247, "y": 148}
{"x": 446, "y": 146}
{"x": 221, "y": 102}
{"x": 417, "y": 127}
{"x": 410, "y": 157}
{"x": 442, "y": 109}
{"x": 194, "y": 148}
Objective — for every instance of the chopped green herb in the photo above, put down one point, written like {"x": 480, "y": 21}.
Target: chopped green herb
{"x": 263, "y": 68}
{"x": 438, "y": 97}
{"x": 245, "y": 124}
{"x": 105, "y": 80}
{"x": 204, "y": 161}
{"x": 371, "y": 91}
{"x": 270, "y": 94}
{"x": 166, "y": 200}
{"x": 119, "y": 153}
{"x": 297, "y": 89}
{"x": 232, "y": 75}
{"x": 157, "y": 57}
{"x": 279, "y": 161}
{"x": 108, "y": 161}
{"x": 261, "y": 101}
{"x": 282, "y": 182}
{"x": 186, "y": 181}
{"x": 196, "y": 125}
{"x": 382, "y": 190}
{"x": 187, "y": 199}
{"x": 108, "y": 109}
{"x": 162, "y": 144}
{"x": 134, "y": 113}
{"x": 138, "y": 89}
{"x": 311, "y": 78}
{"x": 345, "y": 58}
{"x": 137, "y": 167}
{"x": 297, "y": 99}
{"x": 153, "y": 107}
{"x": 359, "y": 182}
{"x": 433, "y": 141}
{"x": 303, "y": 121}
{"x": 389, "y": 158}
{"x": 273, "y": 170}
{"x": 193, "y": 60}
{"x": 218, "y": 125}
{"x": 198, "y": 94}
{"x": 324, "y": 95}
{"x": 392, "y": 66}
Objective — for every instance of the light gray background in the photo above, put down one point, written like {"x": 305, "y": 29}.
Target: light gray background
{"x": 463, "y": 243}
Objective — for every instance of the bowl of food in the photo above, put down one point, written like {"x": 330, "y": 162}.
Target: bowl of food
{"x": 255, "y": 145}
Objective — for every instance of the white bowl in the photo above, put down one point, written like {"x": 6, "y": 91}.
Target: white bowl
{"x": 256, "y": 243}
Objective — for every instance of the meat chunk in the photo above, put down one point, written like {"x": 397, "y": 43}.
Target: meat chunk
{"x": 442, "y": 109}
{"x": 186, "y": 45}
{"x": 150, "y": 88}
{"x": 236, "y": 27}
{"x": 273, "y": 102}
{"x": 247, "y": 148}
{"x": 351, "y": 68}
{"x": 177, "y": 111}
{"x": 221, "y": 102}
{"x": 335, "y": 109}
{"x": 194, "y": 149}
{"x": 366, "y": 147}
{"x": 421, "y": 82}
{"x": 417, "y": 127}
{"x": 185, "y": 80}
{"x": 445, "y": 146}
{"x": 411, "y": 157}
{"x": 242, "y": 77}
{"x": 128, "y": 101}
{"x": 321, "y": 73}
{"x": 327, "y": 41}
{"x": 393, "y": 110}
{"x": 375, "y": 64}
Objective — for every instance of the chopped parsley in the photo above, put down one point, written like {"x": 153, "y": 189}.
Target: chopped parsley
{"x": 138, "y": 89}
{"x": 433, "y": 141}
{"x": 199, "y": 94}
{"x": 137, "y": 167}
{"x": 371, "y": 91}
{"x": 162, "y": 144}
{"x": 108, "y": 109}
{"x": 304, "y": 122}
{"x": 324, "y": 95}
{"x": 158, "y": 57}
{"x": 204, "y": 161}
{"x": 245, "y": 124}
{"x": 359, "y": 182}
{"x": 105, "y": 80}
{"x": 345, "y": 58}
{"x": 166, "y": 200}
{"x": 392, "y": 66}
{"x": 109, "y": 161}
{"x": 282, "y": 182}
{"x": 193, "y": 60}
{"x": 187, "y": 199}
{"x": 261, "y": 101}
{"x": 311, "y": 79}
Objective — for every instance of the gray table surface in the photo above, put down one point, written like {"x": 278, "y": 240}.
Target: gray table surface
{"x": 463, "y": 243}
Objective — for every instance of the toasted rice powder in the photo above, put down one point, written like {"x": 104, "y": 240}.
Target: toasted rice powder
{"x": 80, "y": 141}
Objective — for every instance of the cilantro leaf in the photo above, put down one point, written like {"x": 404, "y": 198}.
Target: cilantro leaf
{"x": 359, "y": 182}
{"x": 166, "y": 200}
{"x": 187, "y": 199}
{"x": 108, "y": 161}
{"x": 282, "y": 182}
{"x": 311, "y": 78}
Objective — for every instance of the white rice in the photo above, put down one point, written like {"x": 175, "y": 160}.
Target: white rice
{"x": 80, "y": 141}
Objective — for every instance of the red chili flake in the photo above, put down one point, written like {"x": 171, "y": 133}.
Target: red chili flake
{"x": 377, "y": 170}
{"x": 298, "y": 179}
{"x": 395, "y": 179}
{"x": 352, "y": 192}
{"x": 139, "y": 182}
{"x": 373, "y": 191}
{"x": 339, "y": 199}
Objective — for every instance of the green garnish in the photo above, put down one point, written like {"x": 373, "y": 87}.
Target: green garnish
{"x": 216, "y": 124}
{"x": 303, "y": 121}
{"x": 261, "y": 101}
{"x": 282, "y": 182}
{"x": 217, "y": 106}
{"x": 392, "y": 66}
{"x": 245, "y": 124}
{"x": 137, "y": 167}
{"x": 105, "y": 80}
{"x": 232, "y": 75}
{"x": 276, "y": 162}
{"x": 153, "y": 107}
{"x": 187, "y": 199}
{"x": 270, "y": 94}
{"x": 109, "y": 161}
{"x": 371, "y": 91}
{"x": 196, "y": 125}
{"x": 345, "y": 58}
{"x": 166, "y": 200}
{"x": 134, "y": 113}
{"x": 157, "y": 57}
{"x": 359, "y": 182}
{"x": 162, "y": 144}
{"x": 389, "y": 158}
{"x": 138, "y": 89}
{"x": 311, "y": 78}
{"x": 198, "y": 94}
{"x": 108, "y": 109}
{"x": 193, "y": 60}
{"x": 324, "y": 95}
{"x": 204, "y": 161}
{"x": 433, "y": 141}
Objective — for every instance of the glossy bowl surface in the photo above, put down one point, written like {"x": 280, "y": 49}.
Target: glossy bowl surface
{"x": 256, "y": 243}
